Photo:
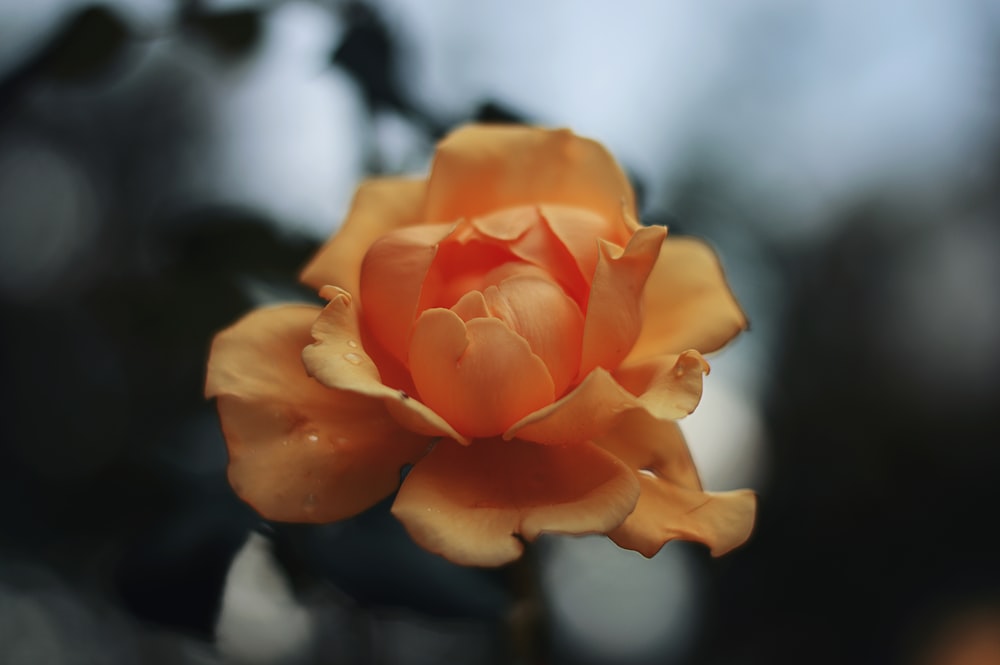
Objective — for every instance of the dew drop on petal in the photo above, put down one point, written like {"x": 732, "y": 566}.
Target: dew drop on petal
{"x": 312, "y": 437}
{"x": 309, "y": 503}
{"x": 352, "y": 358}
{"x": 351, "y": 343}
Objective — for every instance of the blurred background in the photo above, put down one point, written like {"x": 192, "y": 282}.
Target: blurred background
{"x": 166, "y": 165}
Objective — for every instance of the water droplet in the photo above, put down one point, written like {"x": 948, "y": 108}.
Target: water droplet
{"x": 352, "y": 358}
{"x": 312, "y": 438}
{"x": 351, "y": 343}
{"x": 309, "y": 503}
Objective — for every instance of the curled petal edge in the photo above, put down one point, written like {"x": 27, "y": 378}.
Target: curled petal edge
{"x": 720, "y": 520}
{"x": 614, "y": 317}
{"x": 672, "y": 504}
{"x": 667, "y": 391}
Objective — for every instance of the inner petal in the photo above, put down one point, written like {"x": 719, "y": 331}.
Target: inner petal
{"x": 459, "y": 267}
{"x": 541, "y": 312}
{"x": 484, "y": 251}
{"x": 392, "y": 273}
{"x": 479, "y": 375}
{"x": 529, "y": 236}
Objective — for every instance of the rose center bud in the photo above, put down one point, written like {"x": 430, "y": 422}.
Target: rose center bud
{"x": 497, "y": 337}
{"x": 507, "y": 347}
{"x": 526, "y": 299}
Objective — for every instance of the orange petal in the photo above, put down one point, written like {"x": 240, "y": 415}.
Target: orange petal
{"x": 470, "y": 503}
{"x": 687, "y": 303}
{"x": 585, "y": 413}
{"x": 471, "y": 306}
{"x": 338, "y": 360}
{"x": 671, "y": 504}
{"x": 614, "y": 310}
{"x": 507, "y": 225}
{"x": 481, "y": 168}
{"x": 392, "y": 277}
{"x": 462, "y": 263}
{"x": 315, "y": 463}
{"x": 631, "y": 220}
{"x": 297, "y": 450}
{"x": 525, "y": 233}
{"x": 666, "y": 391}
{"x": 480, "y": 376}
{"x": 669, "y": 386}
{"x": 540, "y": 311}
{"x": 579, "y": 230}
{"x": 259, "y": 356}
{"x": 380, "y": 205}
{"x": 721, "y": 520}
{"x": 650, "y": 445}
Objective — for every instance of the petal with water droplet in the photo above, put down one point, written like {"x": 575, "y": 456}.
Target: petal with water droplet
{"x": 299, "y": 451}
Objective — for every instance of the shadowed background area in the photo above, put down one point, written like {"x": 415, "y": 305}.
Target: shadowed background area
{"x": 166, "y": 165}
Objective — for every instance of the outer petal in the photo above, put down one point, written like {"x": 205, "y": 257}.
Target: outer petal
{"x": 470, "y": 503}
{"x": 687, "y": 303}
{"x": 392, "y": 277}
{"x": 480, "y": 375}
{"x": 721, "y": 520}
{"x": 671, "y": 504}
{"x": 481, "y": 168}
{"x": 297, "y": 450}
{"x": 614, "y": 310}
{"x": 654, "y": 447}
{"x": 670, "y": 392}
{"x": 337, "y": 360}
{"x": 258, "y": 357}
{"x": 380, "y": 205}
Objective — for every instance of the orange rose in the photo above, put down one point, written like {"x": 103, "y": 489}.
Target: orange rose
{"x": 507, "y": 327}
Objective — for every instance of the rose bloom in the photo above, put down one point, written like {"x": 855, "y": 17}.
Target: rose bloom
{"x": 508, "y": 328}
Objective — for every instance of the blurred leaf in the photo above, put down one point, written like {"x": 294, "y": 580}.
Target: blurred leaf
{"x": 86, "y": 47}
{"x": 368, "y": 52}
{"x": 234, "y": 33}
{"x": 175, "y": 570}
{"x": 492, "y": 111}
